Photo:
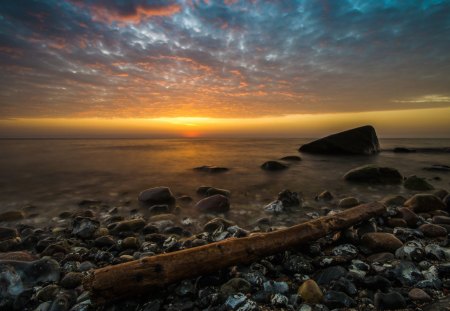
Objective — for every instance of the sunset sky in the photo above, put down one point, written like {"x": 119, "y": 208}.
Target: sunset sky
{"x": 141, "y": 68}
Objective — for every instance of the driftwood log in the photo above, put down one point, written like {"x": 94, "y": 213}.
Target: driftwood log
{"x": 140, "y": 276}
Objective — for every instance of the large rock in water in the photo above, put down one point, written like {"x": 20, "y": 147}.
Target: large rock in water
{"x": 360, "y": 140}
{"x": 373, "y": 174}
{"x": 157, "y": 195}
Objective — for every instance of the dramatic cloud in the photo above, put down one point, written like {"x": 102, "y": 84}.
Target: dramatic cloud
{"x": 221, "y": 58}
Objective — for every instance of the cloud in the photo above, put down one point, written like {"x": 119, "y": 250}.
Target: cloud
{"x": 221, "y": 58}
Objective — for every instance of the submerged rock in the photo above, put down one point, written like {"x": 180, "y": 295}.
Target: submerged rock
{"x": 374, "y": 175}
{"x": 214, "y": 204}
{"x": 291, "y": 158}
{"x": 417, "y": 183}
{"x": 361, "y": 140}
{"x": 273, "y": 166}
{"x": 157, "y": 195}
{"x": 211, "y": 169}
{"x": 324, "y": 196}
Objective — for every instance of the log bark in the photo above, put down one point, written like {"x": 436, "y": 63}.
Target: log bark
{"x": 140, "y": 276}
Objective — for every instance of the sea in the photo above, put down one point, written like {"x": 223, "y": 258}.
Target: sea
{"x": 47, "y": 177}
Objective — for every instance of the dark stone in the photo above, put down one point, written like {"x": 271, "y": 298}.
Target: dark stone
{"x": 131, "y": 225}
{"x": 409, "y": 216}
{"x": 403, "y": 150}
{"x": 213, "y": 191}
{"x": 438, "y": 168}
{"x": 273, "y": 166}
{"x": 289, "y": 198}
{"x": 423, "y": 203}
{"x": 334, "y": 299}
{"x": 8, "y": 233}
{"x": 380, "y": 242}
{"x": 325, "y": 276}
{"x": 159, "y": 209}
{"x": 72, "y": 280}
{"x": 433, "y": 231}
{"x": 324, "y": 196}
{"x": 158, "y": 195}
{"x": 211, "y": 169}
{"x": 361, "y": 140}
{"x": 234, "y": 286}
{"x": 389, "y": 301}
{"x": 373, "y": 174}
{"x": 376, "y": 282}
{"x": 84, "y": 227}
{"x": 214, "y": 204}
{"x": 417, "y": 183}
{"x": 406, "y": 273}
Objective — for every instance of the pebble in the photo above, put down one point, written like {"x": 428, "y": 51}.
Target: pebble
{"x": 310, "y": 292}
{"x": 325, "y": 276}
{"x": 71, "y": 280}
{"x": 334, "y": 299}
{"x": 389, "y": 301}
{"x": 157, "y": 195}
{"x": 348, "y": 202}
{"x": 421, "y": 203}
{"x": 381, "y": 242}
{"x": 214, "y": 204}
{"x": 433, "y": 231}
{"x": 273, "y": 166}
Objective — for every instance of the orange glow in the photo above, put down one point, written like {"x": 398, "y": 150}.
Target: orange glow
{"x": 398, "y": 123}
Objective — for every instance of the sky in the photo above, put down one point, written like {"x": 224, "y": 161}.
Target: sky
{"x": 73, "y": 68}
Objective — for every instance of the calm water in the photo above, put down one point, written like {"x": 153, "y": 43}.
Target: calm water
{"x": 55, "y": 174}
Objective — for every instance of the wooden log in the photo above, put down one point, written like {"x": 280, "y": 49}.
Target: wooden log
{"x": 140, "y": 276}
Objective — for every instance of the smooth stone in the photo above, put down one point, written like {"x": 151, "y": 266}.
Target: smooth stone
{"x": 130, "y": 243}
{"x": 373, "y": 174}
{"x": 423, "y": 203}
{"x": 393, "y": 200}
{"x": 440, "y": 193}
{"x": 104, "y": 241}
{"x": 325, "y": 196}
{"x": 18, "y": 256}
{"x": 381, "y": 242}
{"x": 310, "y": 292}
{"x": 157, "y": 195}
{"x": 8, "y": 233}
{"x": 273, "y": 166}
{"x": 325, "y": 276}
{"x": 409, "y": 216}
{"x": 274, "y": 287}
{"x": 396, "y": 222}
{"x": 407, "y": 234}
{"x": 360, "y": 140}
{"x": 131, "y": 225}
{"x": 441, "y": 220}
{"x": 433, "y": 231}
{"x": 344, "y": 285}
{"x": 234, "y": 286}
{"x": 376, "y": 282}
{"x": 417, "y": 183}
{"x": 334, "y": 299}
{"x": 389, "y": 301}
{"x": 11, "y": 216}
{"x": 211, "y": 169}
{"x": 381, "y": 257}
{"x": 291, "y": 158}
{"x": 159, "y": 209}
{"x": 214, "y": 204}
{"x": 71, "y": 280}
{"x": 212, "y": 191}
{"x": 348, "y": 202}
{"x": 84, "y": 227}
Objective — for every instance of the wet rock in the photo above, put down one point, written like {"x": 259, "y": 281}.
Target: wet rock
{"x": 233, "y": 286}
{"x": 17, "y": 256}
{"x": 211, "y": 169}
{"x": 8, "y": 233}
{"x": 409, "y": 216}
{"x": 279, "y": 300}
{"x": 132, "y": 225}
{"x": 407, "y": 234}
{"x": 275, "y": 207}
{"x": 433, "y": 231}
{"x": 347, "y": 250}
{"x": 389, "y": 301}
{"x": 291, "y": 158}
{"x": 289, "y": 198}
{"x": 213, "y": 191}
{"x": 130, "y": 243}
{"x": 273, "y": 166}
{"x": 47, "y": 293}
{"x": 298, "y": 264}
{"x": 158, "y": 195}
{"x": 11, "y": 216}
{"x": 213, "y": 204}
{"x": 376, "y": 282}
{"x": 374, "y": 175}
{"x": 344, "y": 285}
{"x": 324, "y": 196}
{"x": 348, "y": 202}
{"x": 380, "y": 242}
{"x": 418, "y": 295}
{"x": 436, "y": 252}
{"x": 361, "y": 140}
{"x": 393, "y": 200}
{"x": 403, "y": 150}
{"x": 417, "y": 183}
{"x": 274, "y": 287}
{"x": 366, "y": 227}
{"x": 407, "y": 273}
{"x": 396, "y": 222}
{"x": 240, "y": 302}
{"x": 84, "y": 227}
{"x": 310, "y": 292}
{"x": 104, "y": 241}
{"x": 423, "y": 203}
{"x": 325, "y": 276}
{"x": 381, "y": 257}
{"x": 412, "y": 251}
{"x": 334, "y": 299}
{"x": 445, "y": 220}
{"x": 71, "y": 280}
{"x": 159, "y": 209}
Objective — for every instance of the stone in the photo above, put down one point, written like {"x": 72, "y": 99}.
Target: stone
{"x": 344, "y": 285}
{"x": 334, "y": 299}
{"x": 84, "y": 227}
{"x": 275, "y": 207}
{"x": 348, "y": 202}
{"x": 132, "y": 225}
{"x": 412, "y": 251}
{"x": 417, "y": 183}
{"x": 446, "y": 201}
{"x": 291, "y": 158}
{"x": 393, "y": 200}
{"x": 157, "y": 195}
{"x": 381, "y": 242}
{"x": 130, "y": 242}
{"x": 8, "y": 233}
{"x": 418, "y": 295}
{"x": 406, "y": 273}
{"x": 289, "y": 198}
{"x": 325, "y": 276}
{"x": 440, "y": 193}
{"x": 389, "y": 301}
{"x": 347, "y": 250}
{"x": 409, "y": 216}
{"x": 361, "y": 140}
{"x": 324, "y": 196}
{"x": 11, "y": 216}
{"x": 274, "y": 287}
{"x": 373, "y": 174}
{"x": 396, "y": 222}
{"x": 273, "y": 166}
{"x": 104, "y": 241}
{"x": 214, "y": 204}
{"x": 17, "y": 256}
{"x": 403, "y": 150}
{"x": 433, "y": 231}
{"x": 445, "y": 220}
{"x": 212, "y": 169}
{"x": 376, "y": 282}
{"x": 381, "y": 257}
{"x": 437, "y": 252}
{"x": 423, "y": 203}
{"x": 234, "y": 286}
{"x": 213, "y": 191}
{"x": 71, "y": 280}
{"x": 310, "y": 292}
